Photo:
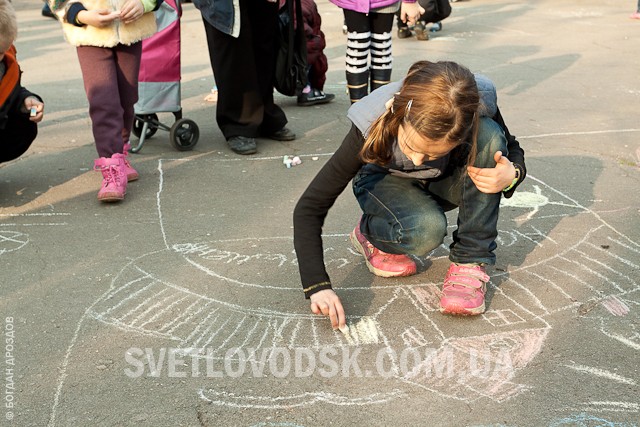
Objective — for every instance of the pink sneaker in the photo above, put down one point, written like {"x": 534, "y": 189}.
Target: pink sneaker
{"x": 635, "y": 15}
{"x": 114, "y": 180}
{"x": 463, "y": 290}
{"x": 132, "y": 174}
{"x": 381, "y": 263}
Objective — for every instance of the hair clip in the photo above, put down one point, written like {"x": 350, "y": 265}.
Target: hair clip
{"x": 408, "y": 108}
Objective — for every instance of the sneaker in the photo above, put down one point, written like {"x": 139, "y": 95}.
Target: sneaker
{"x": 314, "y": 97}
{"x": 381, "y": 263}
{"x": 463, "y": 290}
{"x": 284, "y": 134}
{"x": 421, "y": 31}
{"x": 436, "y": 27}
{"x": 132, "y": 174}
{"x": 114, "y": 180}
{"x": 242, "y": 145}
{"x": 635, "y": 15}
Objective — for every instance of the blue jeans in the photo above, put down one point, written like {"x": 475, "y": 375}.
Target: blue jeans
{"x": 407, "y": 216}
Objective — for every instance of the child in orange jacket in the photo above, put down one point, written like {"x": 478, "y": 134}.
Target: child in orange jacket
{"x": 20, "y": 110}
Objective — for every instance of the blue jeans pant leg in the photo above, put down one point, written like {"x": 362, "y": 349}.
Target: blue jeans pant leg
{"x": 475, "y": 238}
{"x": 399, "y": 215}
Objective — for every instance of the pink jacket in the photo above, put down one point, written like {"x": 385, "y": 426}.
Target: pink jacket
{"x": 365, "y": 6}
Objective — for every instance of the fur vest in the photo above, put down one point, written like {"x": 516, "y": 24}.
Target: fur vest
{"x": 116, "y": 33}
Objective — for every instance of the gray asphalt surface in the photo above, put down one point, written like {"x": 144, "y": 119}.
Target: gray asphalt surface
{"x": 158, "y": 311}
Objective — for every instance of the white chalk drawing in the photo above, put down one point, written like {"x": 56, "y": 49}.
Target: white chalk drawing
{"x": 195, "y": 294}
{"x": 602, "y": 373}
{"x": 12, "y": 241}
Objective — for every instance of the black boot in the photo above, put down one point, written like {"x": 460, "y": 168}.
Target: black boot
{"x": 358, "y": 85}
{"x": 380, "y": 78}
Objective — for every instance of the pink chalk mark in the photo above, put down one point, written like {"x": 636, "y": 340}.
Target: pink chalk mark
{"x": 615, "y": 306}
{"x": 428, "y": 297}
{"x": 455, "y": 378}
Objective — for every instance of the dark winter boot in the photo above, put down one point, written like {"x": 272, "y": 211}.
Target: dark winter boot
{"x": 358, "y": 85}
{"x": 379, "y": 78}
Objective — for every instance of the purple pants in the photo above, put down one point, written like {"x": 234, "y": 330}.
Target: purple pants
{"x": 110, "y": 78}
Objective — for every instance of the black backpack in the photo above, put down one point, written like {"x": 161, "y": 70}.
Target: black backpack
{"x": 290, "y": 75}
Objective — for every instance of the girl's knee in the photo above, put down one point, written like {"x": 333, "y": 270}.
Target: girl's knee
{"x": 491, "y": 138}
{"x": 425, "y": 235}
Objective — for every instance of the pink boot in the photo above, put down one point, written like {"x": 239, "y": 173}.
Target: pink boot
{"x": 132, "y": 174}
{"x": 114, "y": 180}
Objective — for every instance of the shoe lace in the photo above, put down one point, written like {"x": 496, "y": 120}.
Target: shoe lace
{"x": 110, "y": 173}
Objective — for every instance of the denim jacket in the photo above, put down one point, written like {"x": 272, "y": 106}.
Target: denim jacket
{"x": 219, "y": 13}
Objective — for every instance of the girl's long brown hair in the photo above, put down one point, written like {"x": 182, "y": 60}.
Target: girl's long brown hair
{"x": 443, "y": 105}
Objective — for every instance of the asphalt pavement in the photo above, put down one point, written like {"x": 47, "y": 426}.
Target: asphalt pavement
{"x": 182, "y": 305}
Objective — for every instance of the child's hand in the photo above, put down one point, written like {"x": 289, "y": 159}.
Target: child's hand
{"x": 99, "y": 18}
{"x": 327, "y": 302}
{"x": 33, "y": 102}
{"x": 493, "y": 180}
{"x": 131, "y": 11}
{"x": 411, "y": 12}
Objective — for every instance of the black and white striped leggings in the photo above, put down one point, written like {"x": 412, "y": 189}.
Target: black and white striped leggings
{"x": 368, "y": 34}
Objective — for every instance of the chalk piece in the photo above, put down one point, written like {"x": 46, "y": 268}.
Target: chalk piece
{"x": 314, "y": 158}
{"x": 33, "y": 112}
{"x": 344, "y": 329}
{"x": 296, "y": 161}
{"x": 287, "y": 161}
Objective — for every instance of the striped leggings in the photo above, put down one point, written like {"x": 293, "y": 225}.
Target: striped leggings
{"x": 368, "y": 59}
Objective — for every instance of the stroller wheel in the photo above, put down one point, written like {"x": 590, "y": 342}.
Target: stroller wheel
{"x": 184, "y": 134}
{"x": 140, "y": 120}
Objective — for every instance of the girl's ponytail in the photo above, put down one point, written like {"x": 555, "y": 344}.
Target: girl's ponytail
{"x": 378, "y": 145}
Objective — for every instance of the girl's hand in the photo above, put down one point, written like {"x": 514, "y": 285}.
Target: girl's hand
{"x": 411, "y": 12}
{"x": 99, "y": 18}
{"x": 33, "y": 102}
{"x": 131, "y": 11}
{"x": 327, "y": 302}
{"x": 493, "y": 180}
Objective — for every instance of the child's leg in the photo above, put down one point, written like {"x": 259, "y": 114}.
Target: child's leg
{"x": 357, "y": 57}
{"x": 127, "y": 69}
{"x": 399, "y": 216}
{"x": 474, "y": 240}
{"x": 100, "y": 76}
{"x": 16, "y": 137}
{"x": 381, "y": 58}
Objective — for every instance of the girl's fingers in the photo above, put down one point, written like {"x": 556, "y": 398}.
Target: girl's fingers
{"x": 342, "y": 319}
{"x": 314, "y": 308}
{"x": 333, "y": 316}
